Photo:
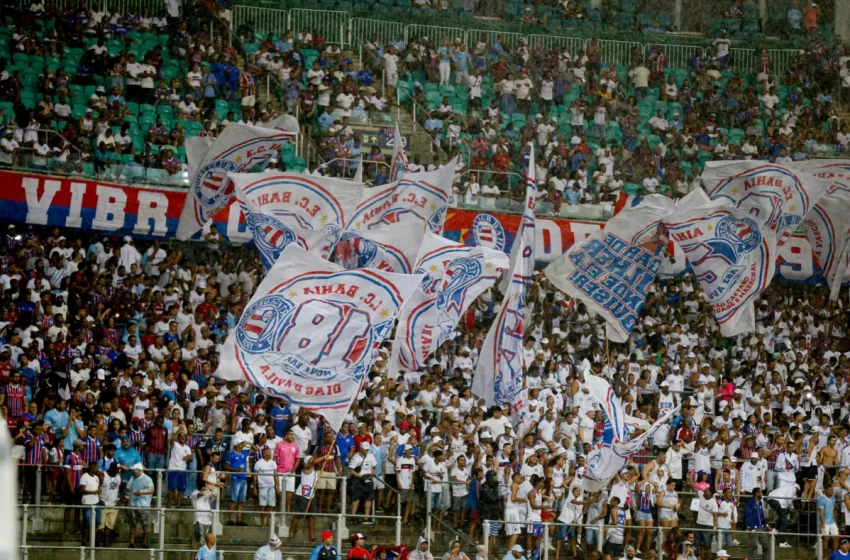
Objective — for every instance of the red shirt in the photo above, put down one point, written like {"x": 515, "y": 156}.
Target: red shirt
{"x": 358, "y": 439}
{"x": 358, "y": 553}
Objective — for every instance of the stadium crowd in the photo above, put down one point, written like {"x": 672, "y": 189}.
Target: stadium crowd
{"x": 110, "y": 349}
{"x": 108, "y": 370}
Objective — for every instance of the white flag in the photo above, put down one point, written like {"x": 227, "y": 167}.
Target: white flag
{"x": 776, "y": 197}
{"x": 283, "y": 208}
{"x": 828, "y": 223}
{"x": 612, "y": 270}
{"x": 454, "y": 276}
{"x": 392, "y": 248}
{"x": 287, "y": 123}
{"x": 239, "y": 148}
{"x": 311, "y": 331}
{"x": 525, "y": 250}
{"x": 733, "y": 257}
{"x": 415, "y": 197}
{"x": 398, "y": 163}
{"x": 499, "y": 372}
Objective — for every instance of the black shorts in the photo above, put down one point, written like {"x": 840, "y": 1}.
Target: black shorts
{"x": 299, "y": 504}
{"x": 362, "y": 491}
{"x": 809, "y": 473}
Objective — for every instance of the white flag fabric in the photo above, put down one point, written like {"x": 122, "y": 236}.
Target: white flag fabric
{"x": 828, "y": 223}
{"x": 454, "y": 276}
{"x": 776, "y": 197}
{"x": 733, "y": 257}
{"x": 196, "y": 149}
{"x": 391, "y": 248}
{"x": 286, "y": 123}
{"x": 613, "y": 452}
{"x": 239, "y": 148}
{"x": 612, "y": 270}
{"x": 398, "y": 163}
{"x": 283, "y": 208}
{"x": 272, "y": 236}
{"x": 415, "y": 197}
{"x": 311, "y": 331}
{"x": 499, "y": 372}
{"x": 525, "y": 250}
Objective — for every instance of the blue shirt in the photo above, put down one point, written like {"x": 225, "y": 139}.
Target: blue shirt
{"x": 57, "y": 420}
{"x": 140, "y": 484}
{"x": 72, "y": 435}
{"x": 280, "y": 416}
{"x": 238, "y": 461}
{"x": 205, "y": 553}
{"x": 838, "y": 555}
{"x": 828, "y": 507}
{"x": 344, "y": 444}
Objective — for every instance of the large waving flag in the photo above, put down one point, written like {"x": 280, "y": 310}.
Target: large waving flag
{"x": 525, "y": 250}
{"x": 612, "y": 270}
{"x": 776, "y": 197}
{"x": 391, "y": 248}
{"x": 732, "y": 255}
{"x": 285, "y": 208}
{"x": 827, "y": 225}
{"x": 499, "y": 372}
{"x": 311, "y": 330}
{"x": 239, "y": 148}
{"x": 454, "y": 276}
{"x": 398, "y": 163}
{"x": 415, "y": 197}
{"x": 613, "y": 452}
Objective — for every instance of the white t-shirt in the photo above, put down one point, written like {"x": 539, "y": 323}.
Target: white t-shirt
{"x": 265, "y": 471}
{"x": 707, "y": 508}
{"x": 89, "y": 483}
{"x": 177, "y": 460}
{"x": 109, "y": 494}
{"x": 302, "y": 437}
{"x": 462, "y": 475}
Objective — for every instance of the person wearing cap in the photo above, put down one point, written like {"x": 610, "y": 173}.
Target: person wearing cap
{"x": 326, "y": 550}
{"x": 270, "y": 550}
{"x": 141, "y": 490}
{"x": 843, "y": 552}
{"x": 358, "y": 550}
{"x": 361, "y": 467}
{"x": 405, "y": 466}
{"x": 514, "y": 553}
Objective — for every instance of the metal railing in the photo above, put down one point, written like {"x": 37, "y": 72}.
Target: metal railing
{"x": 339, "y": 27}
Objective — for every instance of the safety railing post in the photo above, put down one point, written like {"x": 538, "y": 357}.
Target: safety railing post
{"x": 343, "y": 501}
{"x": 82, "y": 553}
{"x": 162, "y": 534}
{"x": 485, "y": 537}
{"x": 283, "y": 527}
{"x": 24, "y": 521}
{"x": 37, "y": 521}
{"x": 398, "y": 502}
{"x": 545, "y": 542}
{"x": 93, "y": 531}
{"x": 428, "y": 534}
{"x": 772, "y": 554}
{"x": 340, "y": 522}
{"x": 659, "y": 543}
{"x": 158, "y": 523}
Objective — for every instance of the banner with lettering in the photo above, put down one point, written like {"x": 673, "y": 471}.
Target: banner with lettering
{"x": 776, "y": 197}
{"x": 415, "y": 197}
{"x": 612, "y": 270}
{"x": 827, "y": 225}
{"x": 239, "y": 148}
{"x": 312, "y": 329}
{"x": 283, "y": 208}
{"x": 153, "y": 211}
{"x": 732, "y": 255}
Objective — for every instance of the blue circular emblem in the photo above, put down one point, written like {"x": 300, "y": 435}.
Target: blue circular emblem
{"x": 487, "y": 231}
{"x": 259, "y": 326}
{"x": 211, "y": 186}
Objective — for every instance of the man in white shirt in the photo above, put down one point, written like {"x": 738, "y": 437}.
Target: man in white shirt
{"x": 133, "y": 70}
{"x": 706, "y": 519}
{"x": 129, "y": 254}
{"x": 268, "y": 485}
{"x": 90, "y": 490}
{"x": 752, "y": 474}
{"x": 658, "y": 123}
{"x": 303, "y": 434}
{"x": 177, "y": 479}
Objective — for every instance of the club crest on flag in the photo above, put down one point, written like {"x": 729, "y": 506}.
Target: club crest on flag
{"x": 487, "y": 231}
{"x": 271, "y": 235}
{"x": 212, "y": 188}
{"x": 734, "y": 238}
{"x": 314, "y": 329}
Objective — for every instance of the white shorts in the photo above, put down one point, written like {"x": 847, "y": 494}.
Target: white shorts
{"x": 290, "y": 483}
{"x": 830, "y": 530}
{"x": 378, "y": 484}
{"x": 392, "y": 79}
{"x": 249, "y": 100}
{"x": 266, "y": 496}
{"x": 512, "y": 528}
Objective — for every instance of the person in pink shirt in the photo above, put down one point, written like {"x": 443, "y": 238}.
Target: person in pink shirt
{"x": 286, "y": 455}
